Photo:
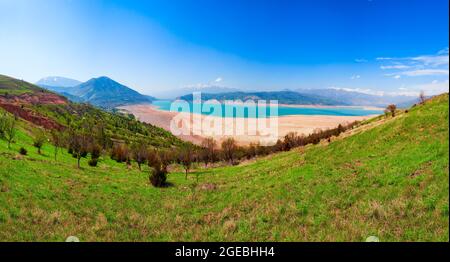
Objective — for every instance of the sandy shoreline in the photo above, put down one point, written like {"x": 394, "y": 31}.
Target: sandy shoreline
{"x": 195, "y": 132}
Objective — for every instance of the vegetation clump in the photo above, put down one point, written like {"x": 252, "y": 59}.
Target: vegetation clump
{"x": 23, "y": 151}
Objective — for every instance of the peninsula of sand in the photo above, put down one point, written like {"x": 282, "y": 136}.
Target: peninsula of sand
{"x": 301, "y": 124}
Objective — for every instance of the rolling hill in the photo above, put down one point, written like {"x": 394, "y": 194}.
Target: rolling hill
{"x": 388, "y": 178}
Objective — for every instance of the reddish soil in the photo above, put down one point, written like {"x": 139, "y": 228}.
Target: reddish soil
{"x": 44, "y": 98}
{"x": 17, "y": 105}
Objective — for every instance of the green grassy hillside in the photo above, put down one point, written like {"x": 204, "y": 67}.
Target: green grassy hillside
{"x": 12, "y": 86}
{"x": 48, "y": 109}
{"x": 389, "y": 178}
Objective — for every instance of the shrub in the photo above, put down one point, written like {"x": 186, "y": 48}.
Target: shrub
{"x": 392, "y": 108}
{"x": 158, "y": 178}
{"x": 93, "y": 162}
{"x": 139, "y": 153}
{"x": 120, "y": 153}
{"x": 229, "y": 149}
{"x": 23, "y": 151}
{"x": 95, "y": 151}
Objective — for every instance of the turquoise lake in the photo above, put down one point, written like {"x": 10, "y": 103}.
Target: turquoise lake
{"x": 237, "y": 110}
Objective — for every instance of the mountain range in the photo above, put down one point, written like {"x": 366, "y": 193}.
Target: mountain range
{"x": 283, "y": 97}
{"x": 331, "y": 97}
{"x": 102, "y": 91}
{"x": 107, "y": 93}
{"x": 353, "y": 98}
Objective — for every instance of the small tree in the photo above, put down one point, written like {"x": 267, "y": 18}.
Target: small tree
{"x": 392, "y": 108}
{"x": 78, "y": 142}
{"x": 39, "y": 140}
{"x": 229, "y": 148}
{"x": 96, "y": 151}
{"x": 208, "y": 153}
{"x": 9, "y": 129}
{"x": 2, "y": 125}
{"x": 422, "y": 97}
{"x": 158, "y": 174}
{"x": 139, "y": 153}
{"x": 186, "y": 158}
{"x": 58, "y": 140}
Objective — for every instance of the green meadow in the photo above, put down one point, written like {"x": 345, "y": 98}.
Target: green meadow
{"x": 388, "y": 178}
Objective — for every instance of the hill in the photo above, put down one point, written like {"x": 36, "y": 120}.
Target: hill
{"x": 49, "y": 110}
{"x": 389, "y": 178}
{"x": 102, "y": 92}
{"x": 283, "y": 97}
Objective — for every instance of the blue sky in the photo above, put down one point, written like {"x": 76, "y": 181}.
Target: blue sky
{"x": 373, "y": 46}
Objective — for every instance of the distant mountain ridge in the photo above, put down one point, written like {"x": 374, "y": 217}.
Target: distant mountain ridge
{"x": 283, "y": 97}
{"x": 360, "y": 99}
{"x": 58, "y": 81}
{"x": 102, "y": 92}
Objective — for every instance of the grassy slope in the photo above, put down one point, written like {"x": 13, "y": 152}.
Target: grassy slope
{"x": 14, "y": 86}
{"x": 117, "y": 126}
{"x": 390, "y": 181}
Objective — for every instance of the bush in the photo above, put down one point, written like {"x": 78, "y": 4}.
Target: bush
{"x": 93, "y": 162}
{"x": 120, "y": 153}
{"x": 158, "y": 178}
{"x": 96, "y": 151}
{"x": 23, "y": 151}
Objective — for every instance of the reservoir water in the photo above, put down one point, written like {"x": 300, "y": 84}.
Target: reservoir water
{"x": 241, "y": 110}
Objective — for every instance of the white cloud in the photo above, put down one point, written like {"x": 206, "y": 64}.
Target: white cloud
{"x": 361, "y": 60}
{"x": 384, "y": 58}
{"x": 433, "y": 88}
{"x": 353, "y": 77}
{"x": 218, "y": 80}
{"x": 433, "y": 60}
{"x": 443, "y": 51}
{"x": 394, "y": 67}
{"x": 423, "y": 65}
{"x": 425, "y": 72}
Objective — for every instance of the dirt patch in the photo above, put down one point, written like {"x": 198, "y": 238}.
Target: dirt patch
{"x": 16, "y": 105}
{"x": 208, "y": 187}
{"x": 32, "y": 116}
{"x": 41, "y": 97}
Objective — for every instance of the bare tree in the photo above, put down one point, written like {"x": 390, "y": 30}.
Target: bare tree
{"x": 229, "y": 148}
{"x": 208, "y": 154}
{"x": 422, "y": 97}
{"x": 139, "y": 153}
{"x": 58, "y": 141}
{"x": 392, "y": 109}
